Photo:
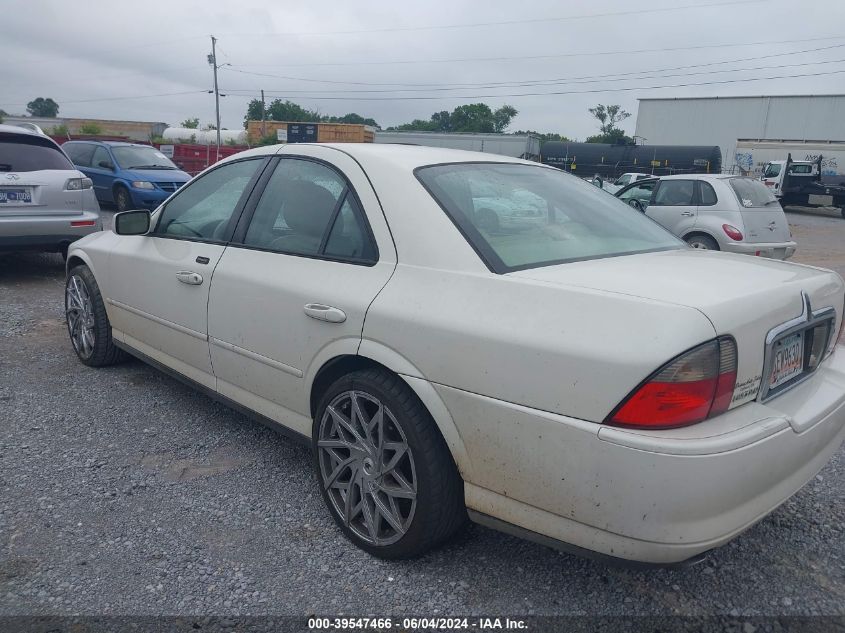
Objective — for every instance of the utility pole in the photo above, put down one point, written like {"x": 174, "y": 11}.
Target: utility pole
{"x": 212, "y": 59}
{"x": 263, "y": 116}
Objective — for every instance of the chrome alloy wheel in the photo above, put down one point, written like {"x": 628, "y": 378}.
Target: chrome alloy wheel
{"x": 367, "y": 467}
{"x": 79, "y": 310}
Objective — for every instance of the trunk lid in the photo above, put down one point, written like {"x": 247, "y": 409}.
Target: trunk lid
{"x": 765, "y": 224}
{"x": 742, "y": 296}
{"x": 39, "y": 193}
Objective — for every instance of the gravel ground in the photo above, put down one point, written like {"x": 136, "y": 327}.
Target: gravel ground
{"x": 124, "y": 492}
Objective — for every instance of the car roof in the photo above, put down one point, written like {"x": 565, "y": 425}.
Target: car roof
{"x": 700, "y": 176}
{"x": 403, "y": 156}
{"x": 14, "y": 129}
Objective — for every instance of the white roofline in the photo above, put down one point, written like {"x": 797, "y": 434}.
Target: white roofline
{"x": 725, "y": 98}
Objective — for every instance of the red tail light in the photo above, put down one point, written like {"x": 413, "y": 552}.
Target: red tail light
{"x": 696, "y": 385}
{"x": 732, "y": 232}
{"x": 83, "y": 223}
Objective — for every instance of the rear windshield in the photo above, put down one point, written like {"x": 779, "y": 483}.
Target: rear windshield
{"x": 21, "y": 153}
{"x": 520, "y": 216}
{"x": 752, "y": 193}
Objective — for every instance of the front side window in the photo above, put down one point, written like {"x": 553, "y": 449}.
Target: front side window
{"x": 545, "y": 216}
{"x": 675, "y": 193}
{"x": 203, "y": 208}
{"x": 80, "y": 153}
{"x": 641, "y": 192}
{"x": 752, "y": 193}
{"x": 772, "y": 170}
{"x": 19, "y": 152}
{"x": 101, "y": 158}
{"x": 307, "y": 209}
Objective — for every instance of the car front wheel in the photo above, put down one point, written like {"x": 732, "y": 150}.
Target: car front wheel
{"x": 385, "y": 471}
{"x": 87, "y": 322}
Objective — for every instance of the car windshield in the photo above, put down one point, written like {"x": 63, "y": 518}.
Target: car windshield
{"x": 544, "y": 216}
{"x": 752, "y": 193}
{"x": 772, "y": 170}
{"x": 134, "y": 157}
{"x": 21, "y": 153}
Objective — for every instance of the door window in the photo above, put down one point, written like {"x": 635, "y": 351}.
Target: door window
{"x": 307, "y": 209}
{"x": 202, "y": 209}
{"x": 708, "y": 195}
{"x": 674, "y": 193}
{"x": 80, "y": 153}
{"x": 100, "y": 156}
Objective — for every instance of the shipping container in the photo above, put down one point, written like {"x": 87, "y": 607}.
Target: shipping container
{"x": 753, "y": 154}
{"x": 306, "y": 132}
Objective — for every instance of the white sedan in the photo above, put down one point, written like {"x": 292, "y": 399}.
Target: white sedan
{"x": 588, "y": 381}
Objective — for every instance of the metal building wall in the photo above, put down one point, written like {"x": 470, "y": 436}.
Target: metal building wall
{"x": 722, "y": 120}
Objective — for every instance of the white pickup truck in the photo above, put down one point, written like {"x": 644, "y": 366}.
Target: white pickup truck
{"x": 800, "y": 183}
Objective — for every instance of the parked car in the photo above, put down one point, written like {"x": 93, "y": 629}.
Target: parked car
{"x": 716, "y": 212}
{"x": 500, "y": 208}
{"x": 620, "y": 182}
{"x": 590, "y": 381}
{"x": 45, "y": 203}
{"x": 128, "y": 175}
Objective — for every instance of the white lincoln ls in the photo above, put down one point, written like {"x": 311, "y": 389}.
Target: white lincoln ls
{"x": 580, "y": 377}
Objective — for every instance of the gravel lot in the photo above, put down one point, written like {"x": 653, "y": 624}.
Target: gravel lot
{"x": 124, "y": 492}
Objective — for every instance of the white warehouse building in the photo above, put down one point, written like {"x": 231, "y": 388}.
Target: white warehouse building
{"x": 723, "y": 121}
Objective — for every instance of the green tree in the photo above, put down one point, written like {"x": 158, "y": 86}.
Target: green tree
{"x": 43, "y": 107}
{"x": 502, "y": 118}
{"x": 254, "y": 111}
{"x": 289, "y": 111}
{"x": 608, "y": 116}
{"x": 191, "y": 124}
{"x": 352, "y": 117}
{"x": 472, "y": 117}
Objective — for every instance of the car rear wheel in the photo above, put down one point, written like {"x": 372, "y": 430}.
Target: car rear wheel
{"x": 385, "y": 471}
{"x": 122, "y": 199}
{"x": 703, "y": 242}
{"x": 87, "y": 322}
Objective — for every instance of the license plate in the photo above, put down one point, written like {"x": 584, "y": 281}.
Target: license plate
{"x": 788, "y": 360}
{"x": 15, "y": 195}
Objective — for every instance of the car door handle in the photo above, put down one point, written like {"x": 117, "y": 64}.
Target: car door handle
{"x": 325, "y": 313}
{"x": 189, "y": 277}
{"x": 687, "y": 214}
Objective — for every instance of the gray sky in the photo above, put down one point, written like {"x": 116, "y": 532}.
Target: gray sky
{"x": 85, "y": 56}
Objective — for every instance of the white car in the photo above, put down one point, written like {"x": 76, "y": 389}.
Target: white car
{"x": 590, "y": 382}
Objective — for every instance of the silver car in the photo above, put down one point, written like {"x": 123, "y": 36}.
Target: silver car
{"x": 715, "y": 212}
{"x": 45, "y": 203}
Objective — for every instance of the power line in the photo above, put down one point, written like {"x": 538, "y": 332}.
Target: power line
{"x": 458, "y": 86}
{"x": 549, "y": 56}
{"x": 573, "y": 80}
{"x": 465, "y": 25}
{"x": 562, "y": 92}
{"x": 127, "y": 98}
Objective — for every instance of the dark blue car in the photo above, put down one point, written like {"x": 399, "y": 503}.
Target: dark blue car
{"x": 127, "y": 175}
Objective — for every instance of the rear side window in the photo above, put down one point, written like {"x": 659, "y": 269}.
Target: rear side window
{"x": 22, "y": 153}
{"x": 80, "y": 153}
{"x": 307, "y": 209}
{"x": 675, "y": 193}
{"x": 752, "y": 193}
{"x": 708, "y": 195}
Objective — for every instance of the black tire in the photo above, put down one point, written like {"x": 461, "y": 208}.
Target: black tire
{"x": 703, "y": 242}
{"x": 63, "y": 249}
{"x": 122, "y": 199}
{"x": 439, "y": 511}
{"x": 103, "y": 352}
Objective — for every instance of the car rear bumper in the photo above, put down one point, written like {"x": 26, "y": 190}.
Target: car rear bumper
{"x": 46, "y": 232}
{"x": 772, "y": 250}
{"x": 650, "y": 496}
